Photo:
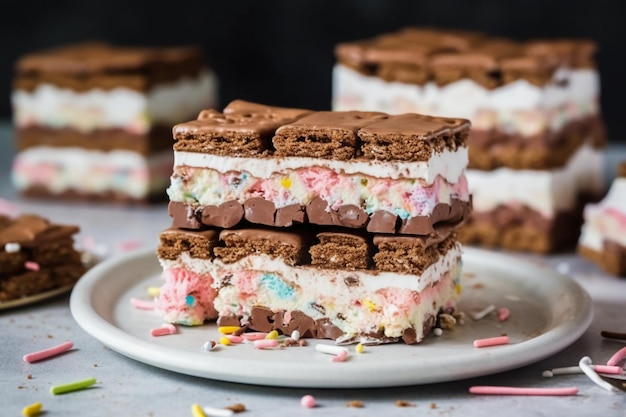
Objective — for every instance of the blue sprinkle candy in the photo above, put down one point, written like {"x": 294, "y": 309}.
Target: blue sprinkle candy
{"x": 190, "y": 300}
{"x": 277, "y": 286}
{"x": 402, "y": 213}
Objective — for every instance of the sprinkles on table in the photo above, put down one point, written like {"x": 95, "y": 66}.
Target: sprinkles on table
{"x": 504, "y": 390}
{"x": 491, "y": 341}
{"x": 49, "y": 352}
{"x": 72, "y": 386}
{"x": 32, "y": 410}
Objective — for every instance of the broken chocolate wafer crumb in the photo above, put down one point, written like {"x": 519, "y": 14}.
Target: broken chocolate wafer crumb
{"x": 237, "y": 408}
{"x": 403, "y": 403}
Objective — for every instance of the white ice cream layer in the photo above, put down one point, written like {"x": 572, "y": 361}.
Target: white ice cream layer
{"x": 122, "y": 107}
{"x": 518, "y": 107}
{"x": 92, "y": 171}
{"x": 448, "y": 164}
{"x": 355, "y": 301}
{"x": 606, "y": 220}
{"x": 544, "y": 191}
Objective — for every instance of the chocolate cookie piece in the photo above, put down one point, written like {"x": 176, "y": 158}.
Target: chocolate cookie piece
{"x": 411, "y": 254}
{"x": 452, "y": 213}
{"x": 328, "y": 135}
{"x": 523, "y": 229}
{"x": 404, "y": 55}
{"x": 412, "y": 137}
{"x": 226, "y": 215}
{"x": 612, "y": 258}
{"x": 199, "y": 243}
{"x": 289, "y": 246}
{"x": 243, "y": 129}
{"x": 337, "y": 250}
{"x": 183, "y": 215}
{"x": 36, "y": 256}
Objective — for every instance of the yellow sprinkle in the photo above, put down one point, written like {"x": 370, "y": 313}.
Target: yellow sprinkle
{"x": 286, "y": 183}
{"x": 371, "y": 306}
{"x": 458, "y": 289}
{"x": 32, "y": 410}
{"x": 272, "y": 335}
{"x": 154, "y": 291}
{"x": 224, "y": 341}
{"x": 359, "y": 348}
{"x": 228, "y": 329}
{"x": 196, "y": 410}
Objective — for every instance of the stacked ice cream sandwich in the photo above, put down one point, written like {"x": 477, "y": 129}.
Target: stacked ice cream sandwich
{"x": 536, "y": 142}
{"x": 341, "y": 225}
{"x": 93, "y": 121}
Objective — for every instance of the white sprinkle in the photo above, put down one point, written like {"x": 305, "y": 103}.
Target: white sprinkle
{"x": 217, "y": 412}
{"x": 483, "y": 313}
{"x": 209, "y": 345}
{"x": 547, "y": 374}
{"x": 585, "y": 365}
{"x": 437, "y": 331}
{"x": 295, "y": 335}
{"x": 331, "y": 349}
{"x": 12, "y": 247}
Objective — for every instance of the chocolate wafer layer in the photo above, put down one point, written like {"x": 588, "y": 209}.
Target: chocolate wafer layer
{"x": 320, "y": 247}
{"x": 90, "y": 65}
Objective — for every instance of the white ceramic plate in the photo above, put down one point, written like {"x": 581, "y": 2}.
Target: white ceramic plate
{"x": 548, "y": 312}
{"x": 31, "y": 299}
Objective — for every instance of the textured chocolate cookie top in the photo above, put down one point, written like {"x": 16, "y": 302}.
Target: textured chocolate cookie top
{"x": 30, "y": 230}
{"x": 333, "y": 135}
{"x": 325, "y": 248}
{"x": 93, "y": 57}
{"x": 250, "y": 129}
{"x": 416, "y": 55}
{"x": 98, "y": 64}
{"x": 243, "y": 129}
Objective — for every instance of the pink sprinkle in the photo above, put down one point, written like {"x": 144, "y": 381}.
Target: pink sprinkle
{"x": 129, "y": 245}
{"x": 265, "y": 343}
{"x": 234, "y": 339}
{"x": 307, "y": 401}
{"x": 340, "y": 357}
{"x": 254, "y": 335}
{"x": 141, "y": 304}
{"x": 46, "y": 353}
{"x": 503, "y": 313}
{"x": 7, "y": 208}
{"x": 33, "y": 266}
{"x": 89, "y": 243}
{"x": 617, "y": 357}
{"x": 165, "y": 329}
{"x": 608, "y": 369}
{"x": 495, "y": 390}
{"x": 491, "y": 341}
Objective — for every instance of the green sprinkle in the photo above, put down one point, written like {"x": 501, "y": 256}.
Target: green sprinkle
{"x": 72, "y": 386}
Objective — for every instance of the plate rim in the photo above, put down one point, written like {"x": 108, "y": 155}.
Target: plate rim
{"x": 534, "y": 349}
{"x": 35, "y": 298}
